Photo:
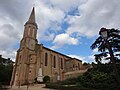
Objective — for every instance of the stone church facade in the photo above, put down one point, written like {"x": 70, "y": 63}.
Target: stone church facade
{"x": 34, "y": 61}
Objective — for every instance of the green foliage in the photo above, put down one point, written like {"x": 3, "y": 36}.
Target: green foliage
{"x": 106, "y": 68}
{"x": 46, "y": 79}
{"x": 6, "y": 67}
{"x": 69, "y": 81}
{"x": 102, "y": 45}
{"x": 108, "y": 47}
{"x": 57, "y": 86}
{"x": 85, "y": 63}
{"x": 98, "y": 78}
{"x": 101, "y": 77}
{"x": 53, "y": 85}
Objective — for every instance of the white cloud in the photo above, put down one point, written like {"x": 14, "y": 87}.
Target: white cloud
{"x": 12, "y": 16}
{"x": 78, "y": 57}
{"x": 8, "y": 54}
{"x": 48, "y": 37}
{"x": 90, "y": 58}
{"x": 95, "y": 51}
{"x": 94, "y": 14}
{"x": 49, "y": 19}
{"x": 67, "y": 5}
{"x": 62, "y": 39}
{"x": 87, "y": 59}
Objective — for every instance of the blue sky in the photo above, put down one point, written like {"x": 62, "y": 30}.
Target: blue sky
{"x": 66, "y": 26}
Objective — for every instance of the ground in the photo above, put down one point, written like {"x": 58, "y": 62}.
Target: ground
{"x": 31, "y": 87}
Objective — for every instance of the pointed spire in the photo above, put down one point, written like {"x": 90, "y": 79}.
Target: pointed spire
{"x": 32, "y": 16}
{"x": 31, "y": 19}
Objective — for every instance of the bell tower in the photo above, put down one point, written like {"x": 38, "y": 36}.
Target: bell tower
{"x": 30, "y": 31}
{"x": 25, "y": 64}
{"x": 31, "y": 26}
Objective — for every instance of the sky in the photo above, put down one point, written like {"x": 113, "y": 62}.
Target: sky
{"x": 66, "y": 26}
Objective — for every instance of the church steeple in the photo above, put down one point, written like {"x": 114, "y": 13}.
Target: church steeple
{"x": 31, "y": 19}
{"x": 32, "y": 16}
{"x": 30, "y": 30}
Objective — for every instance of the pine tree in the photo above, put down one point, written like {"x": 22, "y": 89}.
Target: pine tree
{"x": 114, "y": 42}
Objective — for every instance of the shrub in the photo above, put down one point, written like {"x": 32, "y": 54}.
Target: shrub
{"x": 69, "y": 81}
{"x": 95, "y": 79}
{"x": 57, "y": 86}
{"x": 52, "y": 85}
{"x": 46, "y": 79}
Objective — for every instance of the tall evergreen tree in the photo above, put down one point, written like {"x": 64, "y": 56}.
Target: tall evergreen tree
{"x": 108, "y": 43}
{"x": 114, "y": 42}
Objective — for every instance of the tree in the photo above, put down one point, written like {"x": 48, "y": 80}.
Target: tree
{"x": 6, "y": 67}
{"x": 114, "y": 42}
{"x": 100, "y": 77}
{"x": 108, "y": 43}
{"x": 46, "y": 79}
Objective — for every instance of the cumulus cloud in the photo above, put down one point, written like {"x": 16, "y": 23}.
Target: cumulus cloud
{"x": 94, "y": 15}
{"x": 49, "y": 19}
{"x": 88, "y": 59}
{"x": 8, "y": 54}
{"x": 12, "y": 16}
{"x": 78, "y": 57}
{"x": 63, "y": 39}
{"x": 67, "y": 5}
{"x": 8, "y": 36}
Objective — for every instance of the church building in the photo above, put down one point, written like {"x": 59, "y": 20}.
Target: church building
{"x": 34, "y": 61}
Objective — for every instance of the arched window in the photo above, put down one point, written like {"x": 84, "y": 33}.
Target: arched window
{"x": 54, "y": 62}
{"x": 78, "y": 66}
{"x": 33, "y": 32}
{"x": 46, "y": 59}
{"x": 61, "y": 63}
{"x": 29, "y": 31}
